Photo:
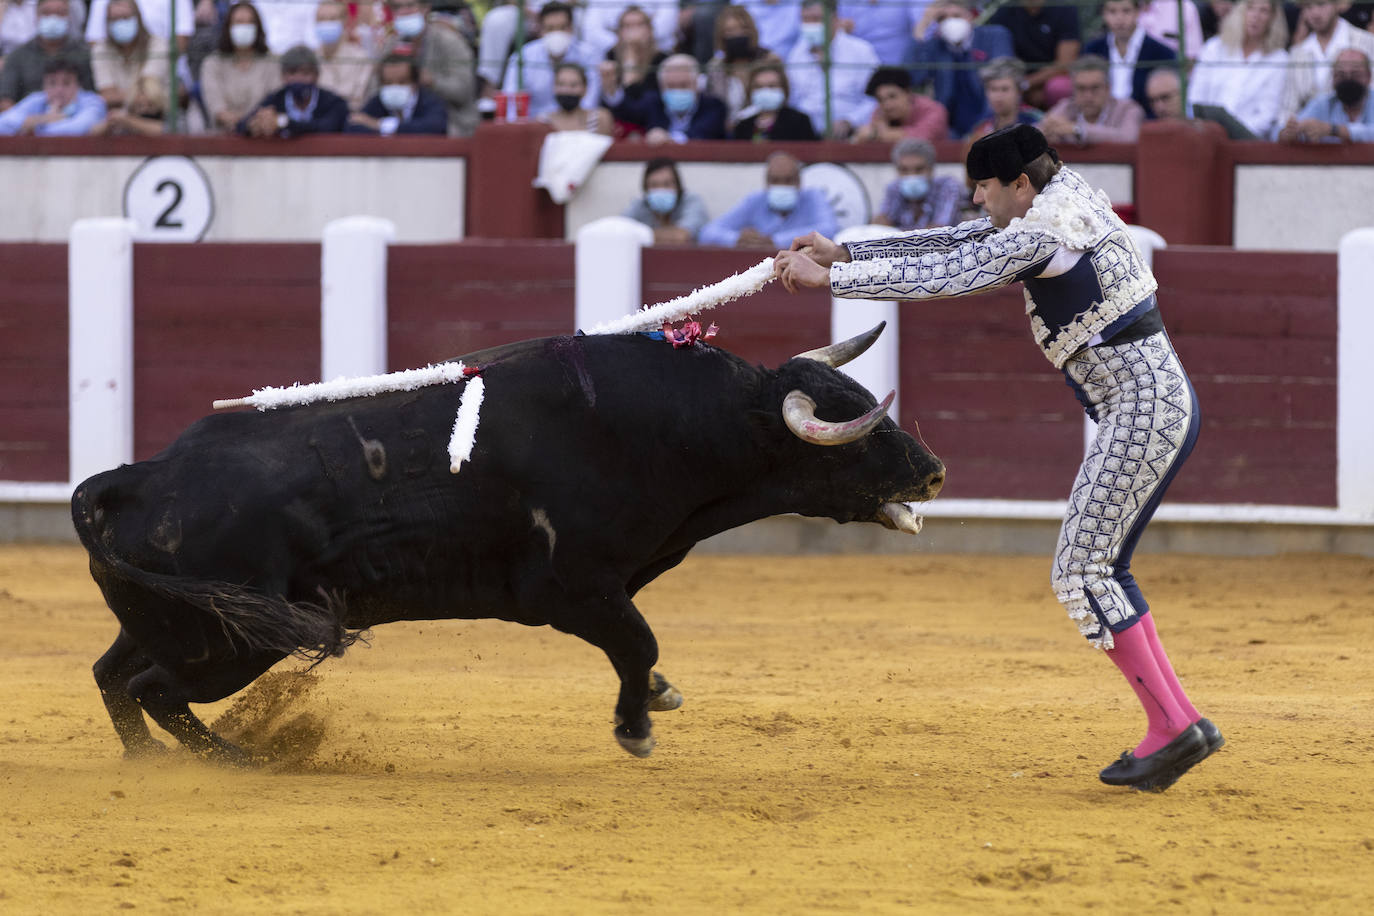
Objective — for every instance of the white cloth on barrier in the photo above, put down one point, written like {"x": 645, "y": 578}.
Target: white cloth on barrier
{"x": 566, "y": 159}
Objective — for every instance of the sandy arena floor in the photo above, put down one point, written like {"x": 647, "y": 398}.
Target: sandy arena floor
{"x": 861, "y": 734}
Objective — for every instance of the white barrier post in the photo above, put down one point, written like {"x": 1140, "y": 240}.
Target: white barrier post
{"x": 608, "y": 270}
{"x": 1355, "y": 375}
{"x": 353, "y": 296}
{"x": 876, "y": 370}
{"x": 100, "y": 349}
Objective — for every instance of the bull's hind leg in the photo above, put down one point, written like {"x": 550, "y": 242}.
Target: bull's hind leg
{"x": 119, "y": 665}
{"x": 166, "y": 698}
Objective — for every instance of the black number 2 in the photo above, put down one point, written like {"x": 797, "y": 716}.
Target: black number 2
{"x": 164, "y": 221}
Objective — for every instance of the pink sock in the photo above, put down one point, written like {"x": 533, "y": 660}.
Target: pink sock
{"x": 1136, "y": 659}
{"x": 1162, "y": 660}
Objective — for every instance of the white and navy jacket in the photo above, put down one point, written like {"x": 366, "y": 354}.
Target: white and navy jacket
{"x": 1085, "y": 279}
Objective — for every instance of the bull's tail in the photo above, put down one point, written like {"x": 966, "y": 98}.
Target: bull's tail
{"x": 251, "y": 620}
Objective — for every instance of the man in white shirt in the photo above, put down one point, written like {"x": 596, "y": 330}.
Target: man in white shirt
{"x": 1311, "y": 59}
{"x": 852, "y": 61}
{"x": 532, "y": 67}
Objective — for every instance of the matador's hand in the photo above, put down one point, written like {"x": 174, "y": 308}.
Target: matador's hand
{"x": 820, "y": 249}
{"x": 797, "y": 270}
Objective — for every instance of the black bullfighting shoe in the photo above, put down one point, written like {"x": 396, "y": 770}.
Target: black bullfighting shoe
{"x": 1156, "y": 772}
{"x": 1211, "y": 734}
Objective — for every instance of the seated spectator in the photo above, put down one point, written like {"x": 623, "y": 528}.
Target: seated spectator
{"x": 949, "y": 59}
{"x": 778, "y": 23}
{"x": 901, "y": 113}
{"x": 300, "y": 106}
{"x": 1091, "y": 114}
{"x": 736, "y": 52}
{"x": 1242, "y": 69}
{"x": 447, "y": 64}
{"x": 1159, "y": 19}
{"x": 675, "y": 215}
{"x": 1310, "y": 60}
{"x": 1002, "y": 79}
{"x": 773, "y": 217}
{"x": 918, "y": 198}
{"x": 885, "y": 24}
{"x": 1343, "y": 115}
{"x": 1129, "y": 51}
{"x": 130, "y": 68}
{"x": 156, "y": 16}
{"x": 241, "y": 72}
{"x": 24, "y": 71}
{"x": 1164, "y": 91}
{"x": 536, "y": 61}
{"x": 345, "y": 66}
{"x": 631, "y": 64}
{"x": 679, "y": 111}
{"x": 569, "y": 89}
{"x": 852, "y": 60}
{"x": 1046, "y": 40}
{"x": 600, "y": 23}
{"x": 401, "y": 105}
{"x": 768, "y": 116}
{"x": 60, "y": 108}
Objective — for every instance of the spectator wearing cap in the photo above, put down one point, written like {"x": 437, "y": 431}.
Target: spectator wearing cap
{"x": 401, "y": 105}
{"x": 1343, "y": 115}
{"x": 448, "y": 67}
{"x": 60, "y": 108}
{"x": 1002, "y": 79}
{"x": 901, "y": 113}
{"x": 1091, "y": 114}
{"x": 918, "y": 198}
{"x": 240, "y": 72}
{"x": 1132, "y": 53}
{"x": 1046, "y": 38}
{"x": 1242, "y": 68}
{"x": 850, "y": 61}
{"x": 25, "y": 70}
{"x": 768, "y": 116}
{"x": 300, "y": 106}
{"x": 950, "y": 58}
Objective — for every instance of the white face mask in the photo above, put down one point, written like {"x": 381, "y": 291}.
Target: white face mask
{"x": 51, "y": 28}
{"x": 243, "y": 34}
{"x": 395, "y": 97}
{"x": 123, "y": 31}
{"x": 558, "y": 43}
{"x": 410, "y": 25}
{"x": 955, "y": 30}
{"x": 813, "y": 33}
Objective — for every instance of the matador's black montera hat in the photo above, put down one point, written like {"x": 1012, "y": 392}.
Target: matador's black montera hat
{"x": 1004, "y": 154}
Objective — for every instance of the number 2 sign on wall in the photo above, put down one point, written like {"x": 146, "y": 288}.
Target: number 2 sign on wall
{"x": 169, "y": 200}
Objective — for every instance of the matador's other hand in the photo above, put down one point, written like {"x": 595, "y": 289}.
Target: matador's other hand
{"x": 797, "y": 270}
{"x": 820, "y": 249}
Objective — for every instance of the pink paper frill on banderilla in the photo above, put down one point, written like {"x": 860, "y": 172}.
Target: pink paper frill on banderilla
{"x": 688, "y": 334}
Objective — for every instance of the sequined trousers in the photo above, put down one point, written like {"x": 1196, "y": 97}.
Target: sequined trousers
{"x": 1147, "y": 421}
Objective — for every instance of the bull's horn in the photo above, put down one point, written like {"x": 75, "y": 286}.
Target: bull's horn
{"x": 837, "y": 354}
{"x": 799, "y": 412}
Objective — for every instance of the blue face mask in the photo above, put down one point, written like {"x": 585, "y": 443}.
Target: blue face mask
{"x": 813, "y": 33}
{"x": 679, "y": 101}
{"x": 123, "y": 31}
{"x": 51, "y": 28}
{"x": 767, "y": 98}
{"x": 913, "y": 187}
{"x": 329, "y": 31}
{"x": 395, "y": 97}
{"x": 661, "y": 200}
{"x": 783, "y": 198}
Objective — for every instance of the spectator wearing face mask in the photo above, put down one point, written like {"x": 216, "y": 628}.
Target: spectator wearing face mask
{"x": 448, "y": 67}
{"x": 60, "y": 108}
{"x": 950, "y": 59}
{"x": 401, "y": 105}
{"x": 532, "y": 67}
{"x": 918, "y": 198}
{"x": 130, "y": 68}
{"x": 682, "y": 111}
{"x": 901, "y": 113}
{"x": 24, "y": 69}
{"x": 1343, "y": 115}
{"x": 851, "y": 62}
{"x": 771, "y": 218}
{"x": 240, "y": 72}
{"x": 569, "y": 90}
{"x": 345, "y": 66}
{"x": 768, "y": 117}
{"x": 673, "y": 213}
{"x": 156, "y": 16}
{"x": 737, "y": 52}
{"x": 300, "y": 106}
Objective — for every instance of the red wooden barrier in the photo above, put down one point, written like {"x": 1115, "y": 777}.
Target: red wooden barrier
{"x": 33, "y": 363}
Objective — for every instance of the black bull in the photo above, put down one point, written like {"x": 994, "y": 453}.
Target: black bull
{"x": 600, "y": 461}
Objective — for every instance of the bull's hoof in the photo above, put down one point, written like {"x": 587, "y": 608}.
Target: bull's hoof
{"x": 640, "y": 747}
{"x": 663, "y": 696}
{"x": 145, "y": 750}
